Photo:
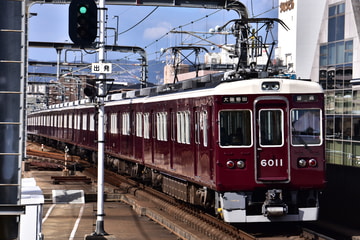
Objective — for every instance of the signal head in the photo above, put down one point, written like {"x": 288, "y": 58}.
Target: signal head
{"x": 83, "y": 22}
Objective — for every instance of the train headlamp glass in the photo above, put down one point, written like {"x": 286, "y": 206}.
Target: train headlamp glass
{"x": 270, "y": 86}
{"x": 302, "y": 162}
{"x": 240, "y": 164}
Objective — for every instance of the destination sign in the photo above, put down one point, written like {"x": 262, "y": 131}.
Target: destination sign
{"x": 234, "y": 99}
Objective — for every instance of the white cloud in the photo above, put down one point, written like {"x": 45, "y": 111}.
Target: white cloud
{"x": 157, "y": 31}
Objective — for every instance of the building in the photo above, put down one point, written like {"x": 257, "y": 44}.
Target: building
{"x": 67, "y": 89}
{"x": 323, "y": 45}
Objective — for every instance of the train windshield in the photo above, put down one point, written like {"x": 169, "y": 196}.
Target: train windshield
{"x": 235, "y": 128}
{"x": 306, "y": 127}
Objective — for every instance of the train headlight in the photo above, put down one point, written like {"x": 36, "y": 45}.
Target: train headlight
{"x": 230, "y": 164}
{"x": 240, "y": 164}
{"x": 312, "y": 163}
{"x": 302, "y": 163}
{"x": 270, "y": 86}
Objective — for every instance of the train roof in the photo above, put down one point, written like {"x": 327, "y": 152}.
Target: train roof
{"x": 205, "y": 86}
{"x": 186, "y": 89}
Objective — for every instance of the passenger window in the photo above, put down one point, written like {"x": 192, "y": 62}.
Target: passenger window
{"x": 235, "y": 128}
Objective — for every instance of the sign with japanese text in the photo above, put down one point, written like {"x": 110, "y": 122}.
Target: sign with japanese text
{"x": 101, "y": 68}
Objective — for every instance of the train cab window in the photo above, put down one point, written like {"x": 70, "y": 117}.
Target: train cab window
{"x": 306, "y": 127}
{"x": 235, "y": 128}
{"x": 271, "y": 127}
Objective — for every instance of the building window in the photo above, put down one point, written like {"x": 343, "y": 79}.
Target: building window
{"x": 336, "y": 22}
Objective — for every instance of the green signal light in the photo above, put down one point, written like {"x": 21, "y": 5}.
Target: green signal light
{"x": 83, "y": 10}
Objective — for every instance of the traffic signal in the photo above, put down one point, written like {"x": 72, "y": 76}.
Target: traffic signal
{"x": 90, "y": 89}
{"x": 83, "y": 22}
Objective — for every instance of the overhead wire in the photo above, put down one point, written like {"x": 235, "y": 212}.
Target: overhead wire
{"x": 182, "y": 26}
{"x": 148, "y": 15}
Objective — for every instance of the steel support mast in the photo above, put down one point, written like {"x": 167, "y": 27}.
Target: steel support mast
{"x": 101, "y": 136}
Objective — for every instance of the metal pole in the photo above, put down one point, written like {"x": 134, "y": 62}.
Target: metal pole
{"x": 58, "y": 52}
{"x": 101, "y": 140}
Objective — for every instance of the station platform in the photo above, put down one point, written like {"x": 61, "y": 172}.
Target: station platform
{"x": 75, "y": 220}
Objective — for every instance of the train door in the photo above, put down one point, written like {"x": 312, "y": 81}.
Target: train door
{"x": 202, "y": 165}
{"x": 172, "y": 137}
{"x": 272, "y": 145}
{"x": 197, "y": 140}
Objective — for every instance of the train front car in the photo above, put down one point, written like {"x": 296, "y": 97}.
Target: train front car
{"x": 270, "y": 153}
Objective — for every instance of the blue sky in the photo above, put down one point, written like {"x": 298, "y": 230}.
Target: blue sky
{"x": 51, "y": 24}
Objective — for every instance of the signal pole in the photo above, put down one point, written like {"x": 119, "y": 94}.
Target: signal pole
{"x": 99, "y": 231}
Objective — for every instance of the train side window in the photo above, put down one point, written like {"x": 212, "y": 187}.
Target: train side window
{"x": 187, "y": 127}
{"x": 204, "y": 127}
{"x": 65, "y": 121}
{"x": 78, "y": 116}
{"x": 92, "y": 122}
{"x": 183, "y": 127}
{"x": 70, "y": 122}
{"x": 306, "y": 127}
{"x": 178, "y": 127}
{"x": 271, "y": 127}
{"x": 126, "y": 124}
{"x": 60, "y": 117}
{"x": 161, "y": 126}
{"x": 235, "y": 128}
{"x": 51, "y": 121}
{"x": 139, "y": 124}
{"x": 146, "y": 125}
{"x": 75, "y": 122}
{"x": 164, "y": 126}
{"x": 84, "y": 121}
{"x": 113, "y": 123}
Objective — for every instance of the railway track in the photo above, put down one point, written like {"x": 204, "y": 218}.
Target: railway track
{"x": 44, "y": 157}
{"x": 208, "y": 225}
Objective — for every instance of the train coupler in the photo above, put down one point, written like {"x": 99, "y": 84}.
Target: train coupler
{"x": 274, "y": 205}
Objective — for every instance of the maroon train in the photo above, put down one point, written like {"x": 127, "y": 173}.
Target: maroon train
{"x": 252, "y": 149}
